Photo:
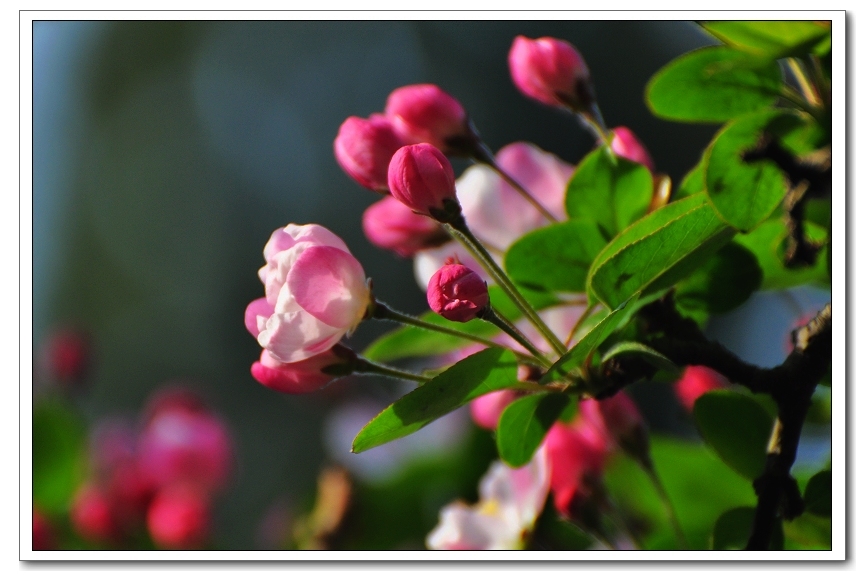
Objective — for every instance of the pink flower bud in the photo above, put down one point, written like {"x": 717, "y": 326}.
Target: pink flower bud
{"x": 625, "y": 144}
{"x": 44, "y": 537}
{"x": 457, "y": 293}
{"x": 91, "y": 515}
{"x": 363, "y": 148}
{"x": 426, "y": 114}
{"x": 422, "y": 178}
{"x": 67, "y": 356}
{"x": 391, "y": 225}
{"x": 178, "y": 518}
{"x": 315, "y": 292}
{"x": 695, "y": 381}
{"x": 487, "y": 408}
{"x": 303, "y": 376}
{"x": 551, "y": 71}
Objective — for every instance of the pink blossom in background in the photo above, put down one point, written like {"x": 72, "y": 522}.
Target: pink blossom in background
{"x": 67, "y": 356}
{"x": 426, "y": 114}
{"x": 577, "y": 455}
{"x": 421, "y": 177}
{"x": 182, "y": 445}
{"x": 695, "y": 381}
{"x": 457, "y": 293}
{"x": 509, "y": 504}
{"x": 315, "y": 292}
{"x": 44, "y": 535}
{"x": 179, "y": 518}
{"x": 392, "y": 225}
{"x": 619, "y": 419}
{"x": 625, "y": 144}
{"x": 550, "y": 71}
{"x": 92, "y": 515}
{"x": 487, "y": 409}
{"x": 363, "y": 148}
{"x": 303, "y": 376}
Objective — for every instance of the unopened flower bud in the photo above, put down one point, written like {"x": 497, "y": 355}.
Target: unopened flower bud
{"x": 426, "y": 114}
{"x": 695, "y": 381}
{"x": 392, "y": 225}
{"x": 304, "y": 376}
{"x": 551, "y": 71}
{"x": 363, "y": 148}
{"x": 625, "y": 144}
{"x": 457, "y": 293}
{"x": 421, "y": 177}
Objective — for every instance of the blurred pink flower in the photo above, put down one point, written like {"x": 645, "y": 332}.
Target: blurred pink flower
{"x": 510, "y": 502}
{"x": 625, "y": 144}
{"x": 179, "y": 518}
{"x": 44, "y": 535}
{"x": 363, "y": 148}
{"x": 426, "y": 114}
{"x": 392, "y": 225}
{"x": 487, "y": 408}
{"x": 549, "y": 70}
{"x": 695, "y": 381}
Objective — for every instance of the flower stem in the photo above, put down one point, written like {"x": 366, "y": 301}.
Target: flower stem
{"x": 460, "y": 231}
{"x": 804, "y": 83}
{"x": 594, "y": 122}
{"x": 489, "y": 314}
{"x": 668, "y": 506}
{"x": 485, "y": 156}
{"x": 384, "y": 312}
{"x": 366, "y": 366}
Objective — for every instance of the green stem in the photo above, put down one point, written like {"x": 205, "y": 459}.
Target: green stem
{"x": 804, "y": 83}
{"x": 490, "y": 315}
{"x": 366, "y": 366}
{"x": 595, "y": 124}
{"x": 460, "y": 231}
{"x": 384, "y": 312}
{"x": 586, "y": 312}
{"x": 483, "y": 155}
{"x": 668, "y": 506}
{"x": 797, "y": 100}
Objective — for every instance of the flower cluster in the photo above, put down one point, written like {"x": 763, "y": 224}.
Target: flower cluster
{"x": 162, "y": 475}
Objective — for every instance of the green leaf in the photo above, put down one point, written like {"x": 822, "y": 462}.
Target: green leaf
{"x": 644, "y": 352}
{"x": 700, "y": 486}
{"x": 721, "y": 284}
{"x": 818, "y": 494}
{"x": 746, "y": 193}
{"x": 766, "y": 243}
{"x": 575, "y": 358}
{"x": 414, "y": 342}
{"x": 733, "y": 528}
{"x": 609, "y": 191}
{"x": 59, "y": 456}
{"x": 524, "y": 424}
{"x": 808, "y": 532}
{"x": 693, "y": 182}
{"x": 489, "y": 370}
{"x": 555, "y": 258}
{"x": 658, "y": 251}
{"x": 713, "y": 84}
{"x": 736, "y": 427}
{"x": 772, "y": 39}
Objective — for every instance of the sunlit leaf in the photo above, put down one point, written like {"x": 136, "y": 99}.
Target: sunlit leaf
{"x": 773, "y": 39}
{"x": 524, "y": 424}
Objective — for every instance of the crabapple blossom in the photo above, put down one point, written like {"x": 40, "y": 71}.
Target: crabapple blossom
{"x": 577, "y": 454}
{"x": 695, "y": 381}
{"x": 67, "y": 355}
{"x": 487, "y": 409}
{"x": 421, "y": 177}
{"x": 304, "y": 376}
{"x": 315, "y": 292}
{"x": 625, "y": 144}
{"x": 618, "y": 417}
{"x": 426, "y": 114}
{"x": 510, "y": 502}
{"x": 457, "y": 293}
{"x": 392, "y": 225}
{"x": 92, "y": 516}
{"x": 363, "y": 148}
{"x": 44, "y": 536}
{"x": 179, "y": 518}
{"x": 551, "y": 71}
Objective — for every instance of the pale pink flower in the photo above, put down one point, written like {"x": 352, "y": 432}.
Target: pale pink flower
{"x": 551, "y": 71}
{"x": 426, "y": 114}
{"x": 315, "y": 292}
{"x": 487, "y": 409}
{"x": 510, "y": 502}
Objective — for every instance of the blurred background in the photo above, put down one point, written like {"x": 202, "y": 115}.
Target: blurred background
{"x": 165, "y": 154}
